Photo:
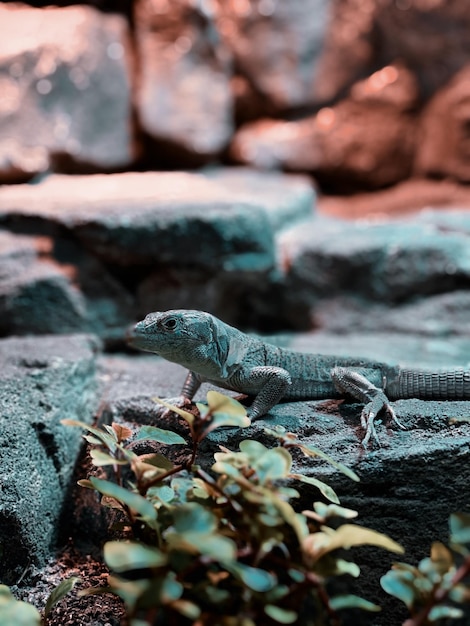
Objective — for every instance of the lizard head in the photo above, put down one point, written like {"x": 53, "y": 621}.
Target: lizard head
{"x": 187, "y": 337}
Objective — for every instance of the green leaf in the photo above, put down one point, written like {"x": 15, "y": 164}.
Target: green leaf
{"x": 441, "y": 558}
{"x": 312, "y": 451}
{"x": 399, "y": 584}
{"x": 60, "y": 592}
{"x": 193, "y": 517}
{"x": 346, "y": 536}
{"x": 256, "y": 579}
{"x": 221, "y": 403}
{"x": 16, "y": 613}
{"x": 167, "y": 437}
{"x": 186, "y": 415}
{"x": 350, "y": 601}
{"x": 216, "y": 547}
{"x": 460, "y": 528}
{"x": 442, "y": 611}
{"x": 108, "y": 440}
{"x": 185, "y": 607}
{"x": 133, "y": 500}
{"x": 347, "y": 567}
{"x": 122, "y": 556}
{"x": 273, "y": 465}
{"x": 101, "y": 459}
{"x": 325, "y": 511}
{"x": 163, "y": 493}
{"x": 325, "y": 489}
{"x": 282, "y": 616}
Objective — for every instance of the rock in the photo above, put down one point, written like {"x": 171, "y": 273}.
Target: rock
{"x": 63, "y": 99}
{"x": 145, "y": 218}
{"x": 442, "y": 315}
{"x": 408, "y": 487}
{"x": 183, "y": 95}
{"x": 42, "y": 381}
{"x": 277, "y": 46}
{"x": 39, "y": 294}
{"x": 387, "y": 263}
{"x": 442, "y": 146}
{"x": 429, "y": 37}
{"x": 365, "y": 140}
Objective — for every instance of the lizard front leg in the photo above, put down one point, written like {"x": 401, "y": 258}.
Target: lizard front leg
{"x": 271, "y": 383}
{"x": 188, "y": 391}
{"x": 356, "y": 385}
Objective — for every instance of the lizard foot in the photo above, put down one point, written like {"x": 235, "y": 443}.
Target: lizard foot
{"x": 368, "y": 416}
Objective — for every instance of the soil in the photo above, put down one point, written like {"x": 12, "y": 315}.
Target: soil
{"x": 73, "y": 610}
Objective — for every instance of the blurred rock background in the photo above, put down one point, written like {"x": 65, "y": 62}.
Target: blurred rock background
{"x": 366, "y": 101}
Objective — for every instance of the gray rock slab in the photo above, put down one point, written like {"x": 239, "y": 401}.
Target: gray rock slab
{"x": 221, "y": 217}
{"x": 408, "y": 487}
{"x": 42, "y": 381}
{"x": 61, "y": 95}
{"x": 385, "y": 262}
{"x": 138, "y": 218}
{"x": 40, "y": 295}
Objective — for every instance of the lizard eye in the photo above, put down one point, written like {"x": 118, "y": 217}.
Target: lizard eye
{"x": 170, "y": 324}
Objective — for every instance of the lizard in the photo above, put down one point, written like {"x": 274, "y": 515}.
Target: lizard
{"x": 218, "y": 353}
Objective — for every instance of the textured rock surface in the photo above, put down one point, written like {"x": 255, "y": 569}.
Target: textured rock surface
{"x": 184, "y": 94}
{"x": 386, "y": 262}
{"x": 62, "y": 97}
{"x": 442, "y": 147}
{"x": 366, "y": 139}
{"x": 277, "y": 46}
{"x": 42, "y": 381}
{"x": 51, "y": 286}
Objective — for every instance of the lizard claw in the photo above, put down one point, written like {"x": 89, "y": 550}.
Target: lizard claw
{"x": 368, "y": 416}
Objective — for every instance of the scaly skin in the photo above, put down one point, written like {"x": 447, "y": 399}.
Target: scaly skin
{"x": 215, "y": 352}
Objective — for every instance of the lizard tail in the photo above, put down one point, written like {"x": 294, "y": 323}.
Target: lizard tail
{"x": 427, "y": 385}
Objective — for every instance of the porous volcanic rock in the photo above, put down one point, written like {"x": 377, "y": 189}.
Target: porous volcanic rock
{"x": 65, "y": 88}
{"x": 42, "y": 381}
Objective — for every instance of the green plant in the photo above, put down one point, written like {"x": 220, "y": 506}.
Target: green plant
{"x": 435, "y": 589}
{"x": 15, "y": 612}
{"x": 225, "y": 545}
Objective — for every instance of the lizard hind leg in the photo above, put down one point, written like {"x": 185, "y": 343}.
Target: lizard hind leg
{"x": 354, "y": 384}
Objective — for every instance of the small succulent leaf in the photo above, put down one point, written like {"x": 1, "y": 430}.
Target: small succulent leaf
{"x": 163, "y": 493}
{"x": 186, "y": 608}
{"x": 441, "y": 558}
{"x": 59, "y": 593}
{"x": 347, "y": 567}
{"x": 221, "y": 403}
{"x": 256, "y": 579}
{"x": 350, "y": 601}
{"x": 313, "y": 451}
{"x": 296, "y": 520}
{"x": 122, "y": 432}
{"x": 346, "y": 536}
{"x": 110, "y": 430}
{"x": 93, "y": 440}
{"x": 193, "y": 517}
{"x": 460, "y": 594}
{"x": 460, "y": 528}
{"x": 106, "y": 439}
{"x": 130, "y": 591}
{"x": 252, "y": 449}
{"x": 325, "y": 489}
{"x": 17, "y": 613}
{"x": 122, "y": 556}
{"x": 325, "y": 511}
{"x": 152, "y": 433}
{"x": 273, "y": 465}
{"x": 186, "y": 415}
{"x": 133, "y": 500}
{"x": 442, "y": 611}
{"x": 216, "y": 547}
{"x": 156, "y": 460}
{"x": 84, "y": 482}
{"x": 399, "y": 584}
{"x": 282, "y": 616}
{"x": 101, "y": 459}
